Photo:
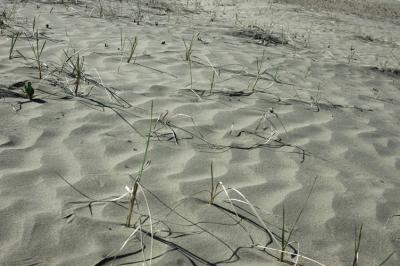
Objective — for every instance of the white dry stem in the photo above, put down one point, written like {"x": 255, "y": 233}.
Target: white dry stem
{"x": 291, "y": 253}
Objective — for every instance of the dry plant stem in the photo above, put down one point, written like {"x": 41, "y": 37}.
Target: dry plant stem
{"x": 190, "y": 72}
{"x": 357, "y": 242}
{"x": 79, "y": 70}
{"x": 14, "y": 39}
{"x": 285, "y": 243}
{"x": 100, "y": 9}
{"x": 122, "y": 43}
{"x": 212, "y": 183}
{"x": 351, "y": 54}
{"x": 132, "y": 48}
{"x": 189, "y": 48}
{"x": 212, "y": 84}
{"x": 386, "y": 259}
{"x": 259, "y": 67}
{"x": 37, "y": 50}
{"x": 214, "y": 189}
{"x": 131, "y": 205}
{"x": 137, "y": 180}
{"x": 139, "y": 8}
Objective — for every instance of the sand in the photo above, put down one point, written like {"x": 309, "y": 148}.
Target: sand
{"x": 323, "y": 106}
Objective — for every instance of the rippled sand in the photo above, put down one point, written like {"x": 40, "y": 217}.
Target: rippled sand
{"x": 325, "y": 104}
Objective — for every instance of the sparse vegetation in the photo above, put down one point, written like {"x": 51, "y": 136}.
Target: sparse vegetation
{"x": 37, "y": 48}
{"x": 237, "y": 83}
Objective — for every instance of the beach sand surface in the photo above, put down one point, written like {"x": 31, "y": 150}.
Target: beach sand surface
{"x": 296, "y": 108}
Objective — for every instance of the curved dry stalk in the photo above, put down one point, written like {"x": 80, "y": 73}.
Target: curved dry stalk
{"x": 247, "y": 202}
{"x": 292, "y": 254}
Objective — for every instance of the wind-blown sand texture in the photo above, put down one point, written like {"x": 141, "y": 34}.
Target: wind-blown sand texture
{"x": 324, "y": 102}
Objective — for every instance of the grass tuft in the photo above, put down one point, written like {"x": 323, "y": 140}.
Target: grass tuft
{"x": 189, "y": 47}
{"x": 37, "y": 48}
{"x": 77, "y": 63}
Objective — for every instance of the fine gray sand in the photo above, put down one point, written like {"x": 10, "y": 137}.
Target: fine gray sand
{"x": 296, "y": 104}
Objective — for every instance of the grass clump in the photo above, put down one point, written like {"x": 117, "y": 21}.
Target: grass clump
{"x": 188, "y": 58}
{"x": 78, "y": 72}
{"x": 75, "y": 66}
{"x": 37, "y": 48}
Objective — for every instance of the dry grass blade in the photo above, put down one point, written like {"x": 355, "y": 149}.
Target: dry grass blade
{"x": 357, "y": 242}
{"x": 212, "y": 83}
{"x": 78, "y": 70}
{"x": 189, "y": 47}
{"x": 133, "y": 45}
{"x": 386, "y": 259}
{"x": 214, "y": 189}
{"x": 37, "y": 50}
{"x": 247, "y": 202}
{"x": 14, "y": 39}
{"x": 137, "y": 180}
{"x": 285, "y": 242}
{"x": 292, "y": 254}
{"x": 75, "y": 62}
{"x": 214, "y": 72}
{"x": 259, "y": 63}
{"x": 150, "y": 221}
{"x": 139, "y": 229}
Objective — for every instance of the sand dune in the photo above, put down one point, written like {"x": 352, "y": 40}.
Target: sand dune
{"x": 325, "y": 103}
